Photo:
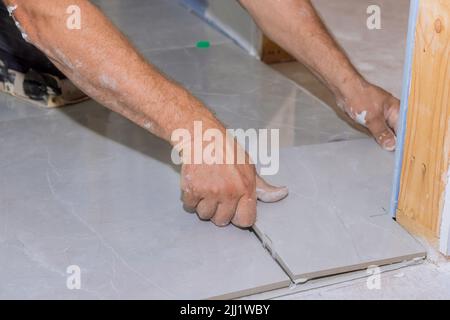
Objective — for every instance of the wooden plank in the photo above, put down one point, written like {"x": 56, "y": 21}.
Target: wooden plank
{"x": 272, "y": 53}
{"x": 427, "y": 142}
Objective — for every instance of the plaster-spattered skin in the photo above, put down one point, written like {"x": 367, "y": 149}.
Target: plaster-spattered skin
{"x": 316, "y": 48}
{"x": 11, "y": 10}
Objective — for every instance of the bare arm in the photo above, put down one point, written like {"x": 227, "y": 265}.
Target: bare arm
{"x": 295, "y": 26}
{"x": 102, "y": 63}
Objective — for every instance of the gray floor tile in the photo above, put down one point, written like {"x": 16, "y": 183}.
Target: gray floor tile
{"x": 83, "y": 186}
{"x": 159, "y": 24}
{"x": 12, "y": 108}
{"x": 335, "y": 218}
{"x": 89, "y": 188}
{"x": 246, "y": 93}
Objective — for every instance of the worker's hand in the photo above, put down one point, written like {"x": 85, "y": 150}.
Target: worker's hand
{"x": 226, "y": 193}
{"x": 377, "y": 110}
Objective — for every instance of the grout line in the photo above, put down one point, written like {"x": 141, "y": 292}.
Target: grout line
{"x": 352, "y": 276}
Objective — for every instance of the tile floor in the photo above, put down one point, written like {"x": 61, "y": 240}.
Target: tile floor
{"x": 56, "y": 216}
{"x": 379, "y": 56}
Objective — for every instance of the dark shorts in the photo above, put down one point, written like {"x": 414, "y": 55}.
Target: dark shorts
{"x": 16, "y": 53}
{"x": 25, "y": 72}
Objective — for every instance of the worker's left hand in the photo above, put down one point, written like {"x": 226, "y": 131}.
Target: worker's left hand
{"x": 377, "y": 110}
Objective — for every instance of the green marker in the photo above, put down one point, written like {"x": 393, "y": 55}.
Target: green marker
{"x": 203, "y": 44}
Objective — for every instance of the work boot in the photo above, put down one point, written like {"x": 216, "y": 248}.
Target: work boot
{"x": 44, "y": 89}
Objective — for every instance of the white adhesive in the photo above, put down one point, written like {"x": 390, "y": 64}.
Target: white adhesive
{"x": 292, "y": 286}
{"x": 149, "y": 126}
{"x": 22, "y": 31}
{"x": 301, "y": 281}
{"x": 109, "y": 83}
{"x": 11, "y": 9}
{"x": 361, "y": 118}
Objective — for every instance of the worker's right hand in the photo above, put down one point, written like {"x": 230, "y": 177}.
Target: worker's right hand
{"x": 376, "y": 109}
{"x": 225, "y": 193}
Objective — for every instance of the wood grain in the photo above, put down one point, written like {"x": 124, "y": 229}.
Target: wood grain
{"x": 427, "y": 144}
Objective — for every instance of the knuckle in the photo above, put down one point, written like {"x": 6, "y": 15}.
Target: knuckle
{"x": 231, "y": 191}
{"x": 215, "y": 190}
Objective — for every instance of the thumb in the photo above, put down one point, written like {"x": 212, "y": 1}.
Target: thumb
{"x": 383, "y": 134}
{"x": 268, "y": 193}
{"x": 392, "y": 111}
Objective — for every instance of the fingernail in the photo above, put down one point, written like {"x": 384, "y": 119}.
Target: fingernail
{"x": 221, "y": 225}
{"x": 272, "y": 196}
{"x": 389, "y": 144}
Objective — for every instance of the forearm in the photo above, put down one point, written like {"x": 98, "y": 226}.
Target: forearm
{"x": 102, "y": 63}
{"x": 295, "y": 26}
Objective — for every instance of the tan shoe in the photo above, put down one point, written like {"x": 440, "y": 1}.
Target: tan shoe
{"x": 40, "y": 88}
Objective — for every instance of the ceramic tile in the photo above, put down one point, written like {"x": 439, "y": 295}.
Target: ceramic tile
{"x": 335, "y": 218}
{"x": 83, "y": 186}
{"x": 89, "y": 188}
{"x": 12, "y": 108}
{"x": 159, "y": 24}
{"x": 246, "y": 93}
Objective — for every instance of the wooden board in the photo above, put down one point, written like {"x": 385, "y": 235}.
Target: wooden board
{"x": 272, "y": 53}
{"x": 427, "y": 143}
